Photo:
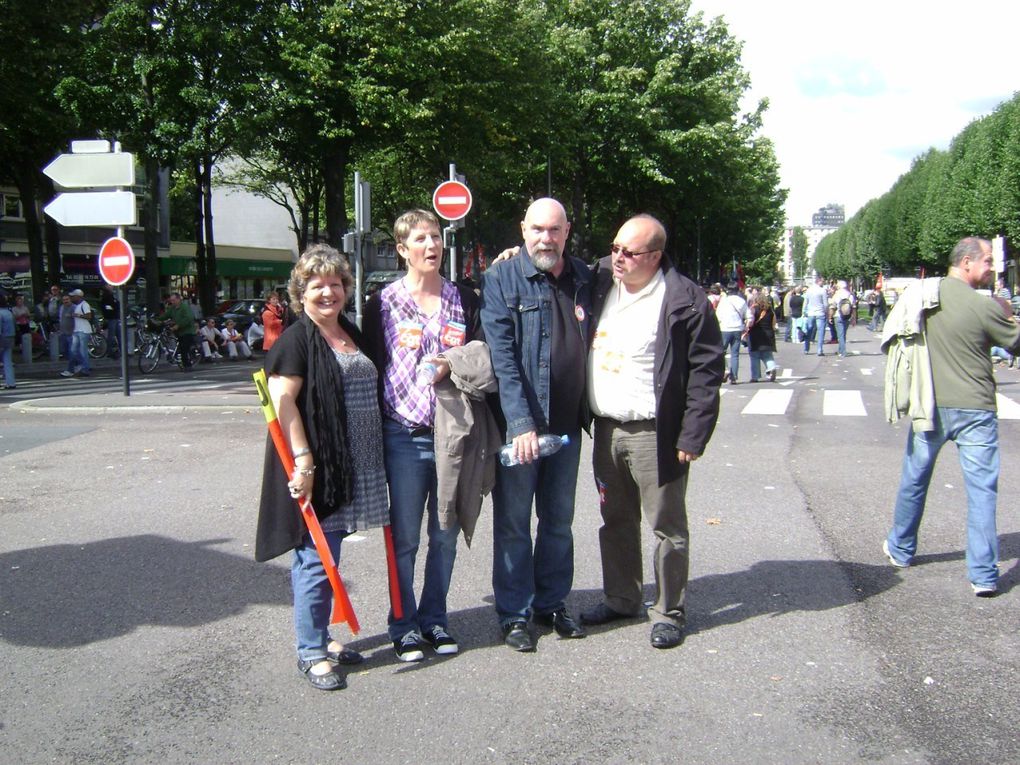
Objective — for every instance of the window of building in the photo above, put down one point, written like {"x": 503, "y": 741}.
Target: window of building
{"x": 12, "y": 206}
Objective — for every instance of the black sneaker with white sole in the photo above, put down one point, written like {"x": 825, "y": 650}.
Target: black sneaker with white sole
{"x": 441, "y": 641}
{"x": 410, "y": 647}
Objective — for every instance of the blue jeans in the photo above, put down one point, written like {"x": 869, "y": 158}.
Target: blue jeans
{"x": 816, "y": 331}
{"x": 411, "y": 474}
{"x": 976, "y": 433}
{"x": 7, "y": 354}
{"x": 757, "y": 358}
{"x": 731, "y": 340}
{"x": 534, "y": 580}
{"x": 79, "y": 352}
{"x": 313, "y": 596}
{"x": 841, "y": 327}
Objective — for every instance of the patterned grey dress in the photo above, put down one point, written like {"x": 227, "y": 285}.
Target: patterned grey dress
{"x": 370, "y": 507}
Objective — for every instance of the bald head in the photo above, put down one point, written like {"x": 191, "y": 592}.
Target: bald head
{"x": 545, "y": 230}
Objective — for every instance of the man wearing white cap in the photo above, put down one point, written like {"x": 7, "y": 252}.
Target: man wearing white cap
{"x": 78, "y": 358}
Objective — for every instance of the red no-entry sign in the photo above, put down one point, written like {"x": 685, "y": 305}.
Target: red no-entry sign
{"x": 116, "y": 261}
{"x": 451, "y": 200}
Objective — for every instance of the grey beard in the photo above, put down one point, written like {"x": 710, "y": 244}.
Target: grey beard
{"x": 544, "y": 261}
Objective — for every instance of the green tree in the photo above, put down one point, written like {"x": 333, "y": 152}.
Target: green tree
{"x": 798, "y": 252}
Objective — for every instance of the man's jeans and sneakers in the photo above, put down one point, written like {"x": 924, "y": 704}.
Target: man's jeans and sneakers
{"x": 78, "y": 356}
{"x": 976, "y": 434}
{"x": 535, "y": 580}
{"x": 411, "y": 474}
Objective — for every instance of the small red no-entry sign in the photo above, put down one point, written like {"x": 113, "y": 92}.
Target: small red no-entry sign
{"x": 116, "y": 261}
{"x": 451, "y": 200}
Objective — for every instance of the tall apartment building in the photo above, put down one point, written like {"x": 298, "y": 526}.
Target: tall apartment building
{"x": 831, "y": 215}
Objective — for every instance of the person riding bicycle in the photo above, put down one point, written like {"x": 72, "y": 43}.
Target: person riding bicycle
{"x": 181, "y": 321}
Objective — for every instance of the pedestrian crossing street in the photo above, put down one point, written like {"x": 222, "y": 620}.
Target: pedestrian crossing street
{"x": 773, "y": 400}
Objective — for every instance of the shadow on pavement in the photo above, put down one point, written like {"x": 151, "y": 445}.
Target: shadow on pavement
{"x": 63, "y": 596}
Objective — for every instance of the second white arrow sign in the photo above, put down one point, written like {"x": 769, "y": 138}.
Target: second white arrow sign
{"x": 93, "y": 208}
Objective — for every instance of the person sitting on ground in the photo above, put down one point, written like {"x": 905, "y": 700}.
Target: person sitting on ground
{"x": 212, "y": 340}
{"x": 254, "y": 335}
{"x": 235, "y": 342}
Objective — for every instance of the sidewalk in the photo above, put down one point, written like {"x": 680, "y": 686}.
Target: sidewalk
{"x": 155, "y": 401}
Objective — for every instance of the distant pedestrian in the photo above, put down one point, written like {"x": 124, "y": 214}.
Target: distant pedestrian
{"x": 951, "y": 396}
{"x": 794, "y": 313}
{"x": 8, "y": 331}
{"x": 78, "y": 356}
{"x": 182, "y": 323}
{"x": 816, "y": 311}
{"x": 110, "y": 308}
{"x": 761, "y": 338}
{"x": 878, "y": 309}
{"x": 272, "y": 319}
{"x": 236, "y": 345}
{"x": 734, "y": 319}
{"x": 842, "y": 303}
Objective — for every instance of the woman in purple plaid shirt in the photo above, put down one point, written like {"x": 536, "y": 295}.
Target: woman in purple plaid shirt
{"x": 416, "y": 318}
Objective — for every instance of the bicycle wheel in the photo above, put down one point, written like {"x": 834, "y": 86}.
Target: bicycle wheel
{"x": 97, "y": 346}
{"x": 148, "y": 357}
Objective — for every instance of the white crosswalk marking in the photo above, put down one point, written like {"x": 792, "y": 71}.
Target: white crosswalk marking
{"x": 769, "y": 402}
{"x": 1008, "y": 408}
{"x": 843, "y": 403}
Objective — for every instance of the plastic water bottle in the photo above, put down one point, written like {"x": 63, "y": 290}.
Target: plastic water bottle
{"x": 426, "y": 374}
{"x": 547, "y": 444}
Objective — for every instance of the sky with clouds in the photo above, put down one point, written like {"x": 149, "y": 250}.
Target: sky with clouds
{"x": 857, "y": 90}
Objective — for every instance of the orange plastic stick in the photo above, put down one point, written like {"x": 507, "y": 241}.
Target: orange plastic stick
{"x": 343, "y": 611}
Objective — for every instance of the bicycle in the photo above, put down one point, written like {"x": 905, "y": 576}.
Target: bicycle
{"x": 96, "y": 343}
{"x": 163, "y": 346}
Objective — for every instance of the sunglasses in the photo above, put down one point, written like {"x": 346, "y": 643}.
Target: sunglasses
{"x": 618, "y": 249}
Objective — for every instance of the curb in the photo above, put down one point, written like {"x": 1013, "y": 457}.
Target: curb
{"x": 37, "y": 406}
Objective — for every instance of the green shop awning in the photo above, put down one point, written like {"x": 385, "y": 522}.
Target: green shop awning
{"x": 230, "y": 267}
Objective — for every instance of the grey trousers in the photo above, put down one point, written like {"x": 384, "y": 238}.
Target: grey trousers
{"x": 626, "y": 474}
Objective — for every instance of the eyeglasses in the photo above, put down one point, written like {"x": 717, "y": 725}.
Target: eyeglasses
{"x": 616, "y": 248}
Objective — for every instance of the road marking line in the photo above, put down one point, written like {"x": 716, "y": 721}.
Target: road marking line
{"x": 843, "y": 403}
{"x": 769, "y": 402}
{"x": 867, "y": 371}
{"x": 1008, "y": 408}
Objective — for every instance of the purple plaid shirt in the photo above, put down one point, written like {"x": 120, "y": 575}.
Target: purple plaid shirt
{"x": 404, "y": 400}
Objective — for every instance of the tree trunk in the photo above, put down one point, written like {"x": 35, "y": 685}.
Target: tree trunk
{"x": 198, "y": 223}
{"x": 207, "y": 288}
{"x": 26, "y": 181}
{"x": 334, "y": 172}
{"x": 151, "y": 223}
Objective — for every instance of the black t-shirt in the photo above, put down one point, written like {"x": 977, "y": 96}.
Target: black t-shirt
{"x": 796, "y": 305}
{"x": 567, "y": 364}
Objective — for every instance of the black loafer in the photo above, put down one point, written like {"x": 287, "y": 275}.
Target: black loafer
{"x": 345, "y": 656}
{"x": 331, "y": 681}
{"x": 602, "y": 614}
{"x": 666, "y": 635}
{"x": 516, "y": 636}
{"x": 561, "y": 621}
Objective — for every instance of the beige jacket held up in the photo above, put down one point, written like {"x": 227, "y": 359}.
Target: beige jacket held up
{"x": 466, "y": 436}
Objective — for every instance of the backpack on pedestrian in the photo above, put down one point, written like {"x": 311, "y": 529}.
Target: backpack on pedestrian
{"x": 845, "y": 308}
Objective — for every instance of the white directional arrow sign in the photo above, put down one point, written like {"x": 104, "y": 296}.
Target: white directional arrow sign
{"x": 79, "y": 171}
{"x": 93, "y": 208}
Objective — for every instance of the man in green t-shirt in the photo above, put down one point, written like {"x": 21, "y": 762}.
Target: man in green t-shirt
{"x": 182, "y": 322}
{"x": 960, "y": 332}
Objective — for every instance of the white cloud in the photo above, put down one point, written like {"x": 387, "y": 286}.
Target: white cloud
{"x": 856, "y": 91}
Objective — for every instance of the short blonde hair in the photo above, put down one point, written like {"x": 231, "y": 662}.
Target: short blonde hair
{"x": 317, "y": 260}
{"x": 412, "y": 219}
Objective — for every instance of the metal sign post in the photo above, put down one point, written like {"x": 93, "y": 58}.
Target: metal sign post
{"x": 452, "y": 200}
{"x": 362, "y": 229}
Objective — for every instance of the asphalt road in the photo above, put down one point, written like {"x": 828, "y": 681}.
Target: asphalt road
{"x": 136, "y": 627}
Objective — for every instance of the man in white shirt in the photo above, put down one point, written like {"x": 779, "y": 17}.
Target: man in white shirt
{"x": 79, "y": 355}
{"x": 211, "y": 340}
{"x": 235, "y": 341}
{"x": 654, "y": 371}
{"x": 816, "y": 312}
{"x": 843, "y": 302}
{"x": 734, "y": 320}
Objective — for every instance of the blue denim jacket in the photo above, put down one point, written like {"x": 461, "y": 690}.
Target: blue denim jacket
{"x": 516, "y": 320}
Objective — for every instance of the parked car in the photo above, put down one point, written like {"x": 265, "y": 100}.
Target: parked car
{"x": 376, "y": 280}
{"x": 243, "y": 312}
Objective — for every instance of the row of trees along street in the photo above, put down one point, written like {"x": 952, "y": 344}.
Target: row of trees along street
{"x": 614, "y": 106}
{"x": 973, "y": 189}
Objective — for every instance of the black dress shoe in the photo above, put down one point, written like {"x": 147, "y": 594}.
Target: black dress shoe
{"x": 602, "y": 614}
{"x": 516, "y": 636}
{"x": 563, "y": 623}
{"x": 666, "y": 635}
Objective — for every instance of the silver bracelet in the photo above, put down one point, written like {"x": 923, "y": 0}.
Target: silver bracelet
{"x": 302, "y": 452}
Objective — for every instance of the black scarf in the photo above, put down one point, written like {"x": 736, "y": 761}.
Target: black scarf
{"x": 325, "y": 421}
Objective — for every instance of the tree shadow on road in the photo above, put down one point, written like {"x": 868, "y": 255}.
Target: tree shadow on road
{"x": 69, "y": 595}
